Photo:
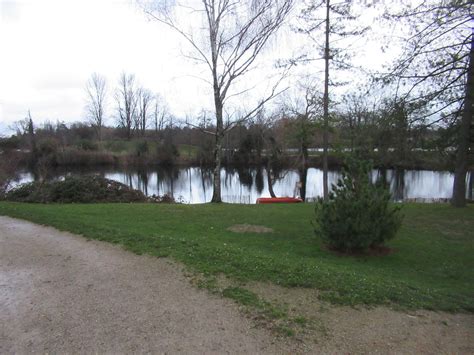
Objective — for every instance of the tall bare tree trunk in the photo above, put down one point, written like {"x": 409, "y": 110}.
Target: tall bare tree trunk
{"x": 216, "y": 194}
{"x": 326, "y": 108}
{"x": 464, "y": 137}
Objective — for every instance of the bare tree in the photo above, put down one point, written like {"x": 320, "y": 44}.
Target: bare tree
{"x": 305, "y": 112}
{"x": 358, "y": 118}
{"x": 235, "y": 33}
{"x": 160, "y": 113}
{"x": 144, "y": 105}
{"x": 25, "y": 128}
{"x": 96, "y": 89}
{"x": 126, "y": 98}
{"x": 21, "y": 127}
{"x": 264, "y": 123}
{"x": 326, "y": 103}
{"x": 32, "y": 140}
{"x": 437, "y": 68}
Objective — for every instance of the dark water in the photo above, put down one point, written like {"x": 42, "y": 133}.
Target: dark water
{"x": 194, "y": 185}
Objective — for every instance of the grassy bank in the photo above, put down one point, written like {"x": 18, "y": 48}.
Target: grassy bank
{"x": 432, "y": 265}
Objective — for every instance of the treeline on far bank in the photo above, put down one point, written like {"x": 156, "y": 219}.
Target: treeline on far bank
{"x": 286, "y": 143}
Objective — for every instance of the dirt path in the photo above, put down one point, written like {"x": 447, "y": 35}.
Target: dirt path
{"x": 378, "y": 330}
{"x": 61, "y": 293}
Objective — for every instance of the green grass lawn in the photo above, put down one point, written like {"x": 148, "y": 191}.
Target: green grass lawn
{"x": 130, "y": 146}
{"x": 432, "y": 265}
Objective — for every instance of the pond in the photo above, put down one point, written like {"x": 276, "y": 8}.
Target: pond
{"x": 194, "y": 184}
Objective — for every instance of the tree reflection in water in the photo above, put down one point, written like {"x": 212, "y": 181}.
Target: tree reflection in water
{"x": 194, "y": 184}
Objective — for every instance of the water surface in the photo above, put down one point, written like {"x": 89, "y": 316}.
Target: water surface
{"x": 194, "y": 184}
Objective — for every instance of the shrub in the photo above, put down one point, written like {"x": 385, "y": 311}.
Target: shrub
{"x": 166, "y": 198}
{"x": 78, "y": 189}
{"x": 28, "y": 192}
{"x": 358, "y": 214}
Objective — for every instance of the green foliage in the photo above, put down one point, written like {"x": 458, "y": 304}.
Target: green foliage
{"x": 357, "y": 215}
{"x": 23, "y": 193}
{"x": 75, "y": 189}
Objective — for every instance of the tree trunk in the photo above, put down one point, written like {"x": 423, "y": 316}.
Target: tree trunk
{"x": 470, "y": 185}
{"x": 219, "y": 106}
{"x": 326, "y": 108}
{"x": 303, "y": 174}
{"x": 303, "y": 171}
{"x": 464, "y": 137}
{"x": 129, "y": 132}
{"x": 216, "y": 194}
{"x": 399, "y": 192}
{"x": 269, "y": 181}
{"x": 34, "y": 150}
{"x": 351, "y": 129}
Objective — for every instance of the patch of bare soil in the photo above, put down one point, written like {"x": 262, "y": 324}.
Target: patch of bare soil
{"x": 336, "y": 329}
{"x": 249, "y": 228}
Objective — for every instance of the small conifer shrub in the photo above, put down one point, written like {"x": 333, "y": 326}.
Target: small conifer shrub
{"x": 358, "y": 214}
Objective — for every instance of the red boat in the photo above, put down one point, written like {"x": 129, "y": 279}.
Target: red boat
{"x": 279, "y": 200}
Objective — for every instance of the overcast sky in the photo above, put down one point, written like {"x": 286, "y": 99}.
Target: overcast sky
{"x": 50, "y": 48}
